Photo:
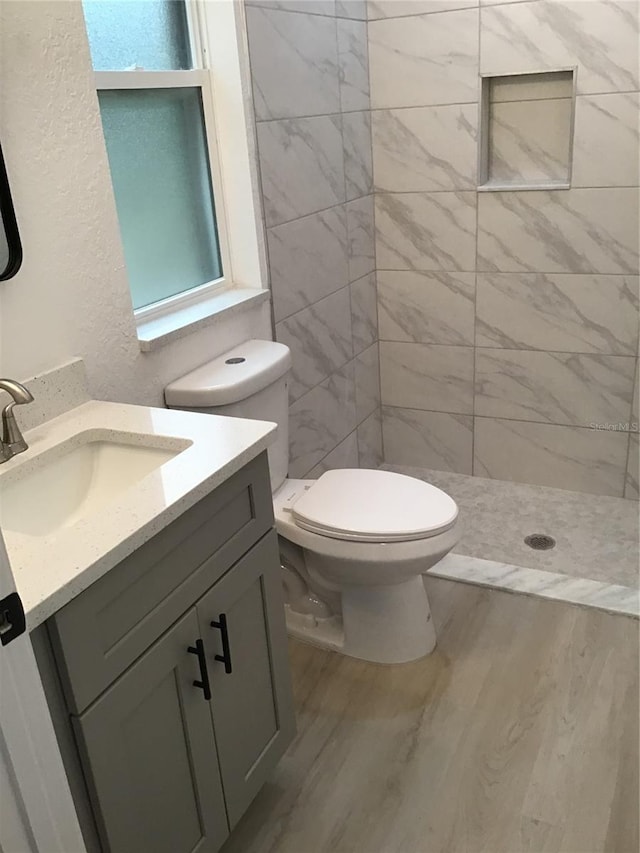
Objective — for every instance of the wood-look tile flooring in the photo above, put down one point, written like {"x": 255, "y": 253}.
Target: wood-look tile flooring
{"x": 519, "y": 733}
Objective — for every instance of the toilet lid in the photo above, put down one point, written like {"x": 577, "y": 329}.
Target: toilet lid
{"x": 374, "y": 506}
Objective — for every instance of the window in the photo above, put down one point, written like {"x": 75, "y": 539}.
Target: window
{"x": 157, "y": 115}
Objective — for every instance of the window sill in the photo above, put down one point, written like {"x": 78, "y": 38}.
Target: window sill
{"x": 159, "y": 331}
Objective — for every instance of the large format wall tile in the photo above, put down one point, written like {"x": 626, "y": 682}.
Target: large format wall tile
{"x": 435, "y": 308}
{"x": 299, "y": 49}
{"x": 311, "y": 98}
{"x": 632, "y": 482}
{"x": 606, "y": 123}
{"x": 427, "y": 439}
{"x": 582, "y": 230}
{"x": 425, "y": 148}
{"x": 364, "y": 312}
{"x": 358, "y": 168}
{"x": 584, "y": 460}
{"x": 361, "y": 237}
{"x": 421, "y": 60}
{"x": 399, "y": 8}
{"x": 600, "y": 36}
{"x": 308, "y": 260}
{"x": 425, "y": 376}
{"x": 426, "y": 231}
{"x": 554, "y": 387}
{"x": 351, "y": 9}
{"x": 319, "y": 338}
{"x": 370, "y": 454}
{"x": 571, "y": 313}
{"x": 345, "y": 455}
{"x": 354, "y": 65}
{"x": 320, "y": 420}
{"x": 302, "y": 166}
{"x": 367, "y": 381}
{"x": 314, "y": 7}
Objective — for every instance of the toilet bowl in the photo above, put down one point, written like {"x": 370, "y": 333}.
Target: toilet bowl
{"x": 355, "y": 542}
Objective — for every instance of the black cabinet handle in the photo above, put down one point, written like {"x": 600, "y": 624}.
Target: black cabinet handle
{"x": 225, "y": 657}
{"x": 203, "y": 684}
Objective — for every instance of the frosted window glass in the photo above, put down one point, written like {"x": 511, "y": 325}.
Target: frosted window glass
{"x": 159, "y": 168}
{"x": 149, "y": 34}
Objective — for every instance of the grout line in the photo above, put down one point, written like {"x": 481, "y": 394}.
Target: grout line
{"x": 503, "y": 272}
{"x": 402, "y": 107}
{"x": 626, "y": 464}
{"x": 497, "y": 348}
{"x": 333, "y": 373}
{"x": 317, "y": 302}
{"x": 507, "y": 188}
{"x": 636, "y": 377}
{"x": 424, "y": 106}
{"x": 309, "y": 215}
{"x": 472, "y": 7}
{"x": 475, "y": 291}
{"x": 342, "y": 440}
{"x": 346, "y": 200}
{"x": 321, "y": 210}
{"x": 274, "y": 8}
{"x": 375, "y": 255}
{"x": 504, "y": 3}
{"x": 324, "y": 296}
{"x": 260, "y": 186}
{"x": 333, "y": 114}
{"x": 511, "y": 420}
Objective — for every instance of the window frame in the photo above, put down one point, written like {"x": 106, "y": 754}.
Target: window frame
{"x": 201, "y": 76}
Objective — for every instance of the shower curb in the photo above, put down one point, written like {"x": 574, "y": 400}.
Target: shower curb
{"x": 612, "y": 598}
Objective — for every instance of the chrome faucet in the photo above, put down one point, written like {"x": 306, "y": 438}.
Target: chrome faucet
{"x": 12, "y": 441}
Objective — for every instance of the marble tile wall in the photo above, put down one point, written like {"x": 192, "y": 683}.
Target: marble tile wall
{"x": 508, "y": 321}
{"x": 310, "y": 74}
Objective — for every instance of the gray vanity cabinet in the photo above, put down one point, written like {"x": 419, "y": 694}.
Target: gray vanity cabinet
{"x": 149, "y": 749}
{"x": 169, "y": 723}
{"x": 251, "y": 702}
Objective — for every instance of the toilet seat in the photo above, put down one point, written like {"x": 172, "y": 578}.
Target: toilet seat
{"x": 372, "y": 506}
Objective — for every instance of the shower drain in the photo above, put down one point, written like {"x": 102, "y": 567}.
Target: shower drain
{"x": 540, "y": 541}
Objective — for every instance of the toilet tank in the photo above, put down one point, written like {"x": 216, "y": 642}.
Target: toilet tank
{"x": 249, "y": 381}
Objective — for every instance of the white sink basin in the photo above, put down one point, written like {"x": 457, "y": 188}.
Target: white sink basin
{"x": 74, "y": 481}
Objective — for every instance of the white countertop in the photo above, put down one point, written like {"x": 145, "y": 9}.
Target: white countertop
{"x": 51, "y": 570}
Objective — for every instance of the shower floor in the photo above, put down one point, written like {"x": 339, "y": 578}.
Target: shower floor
{"x": 596, "y": 538}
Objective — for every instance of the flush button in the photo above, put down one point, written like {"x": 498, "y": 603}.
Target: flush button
{"x": 237, "y": 360}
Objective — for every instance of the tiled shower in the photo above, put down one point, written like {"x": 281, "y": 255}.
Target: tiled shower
{"x": 507, "y": 318}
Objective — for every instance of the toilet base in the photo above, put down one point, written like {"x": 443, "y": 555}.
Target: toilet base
{"x": 326, "y": 633}
{"x": 388, "y": 624}
{"x": 381, "y": 624}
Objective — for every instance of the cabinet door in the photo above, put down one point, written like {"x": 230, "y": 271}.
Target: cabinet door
{"x": 149, "y": 754}
{"x": 251, "y": 705}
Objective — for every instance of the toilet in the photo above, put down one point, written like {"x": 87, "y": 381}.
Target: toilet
{"x": 354, "y": 543}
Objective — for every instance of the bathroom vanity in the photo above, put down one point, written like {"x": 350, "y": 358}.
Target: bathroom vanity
{"x": 167, "y": 676}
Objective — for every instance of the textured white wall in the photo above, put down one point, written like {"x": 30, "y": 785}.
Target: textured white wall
{"x": 71, "y": 296}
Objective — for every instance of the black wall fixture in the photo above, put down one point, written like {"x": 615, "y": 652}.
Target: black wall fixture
{"x": 10, "y": 246}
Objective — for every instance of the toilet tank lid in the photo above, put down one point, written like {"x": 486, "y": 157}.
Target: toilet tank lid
{"x": 231, "y": 377}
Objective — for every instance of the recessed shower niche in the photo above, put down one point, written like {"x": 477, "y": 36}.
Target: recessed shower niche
{"x": 526, "y": 131}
